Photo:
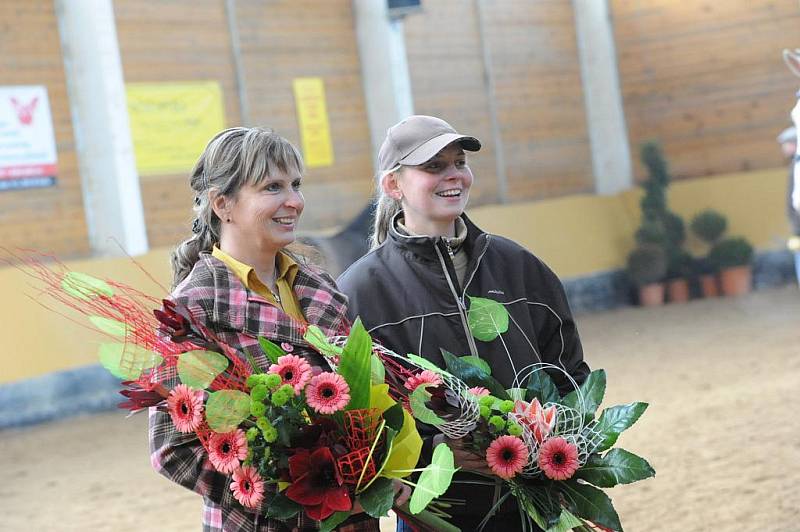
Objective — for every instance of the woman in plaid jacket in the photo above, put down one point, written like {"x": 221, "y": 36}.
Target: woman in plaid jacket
{"x": 236, "y": 277}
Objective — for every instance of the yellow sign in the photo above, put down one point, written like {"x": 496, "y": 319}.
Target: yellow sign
{"x": 171, "y": 123}
{"x": 312, "y": 115}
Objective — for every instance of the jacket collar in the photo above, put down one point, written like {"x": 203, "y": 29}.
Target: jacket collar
{"x": 425, "y": 246}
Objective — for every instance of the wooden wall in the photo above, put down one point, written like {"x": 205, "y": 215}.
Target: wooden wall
{"x": 706, "y": 79}
{"x": 51, "y": 218}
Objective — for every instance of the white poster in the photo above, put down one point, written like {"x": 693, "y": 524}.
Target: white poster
{"x": 27, "y": 143}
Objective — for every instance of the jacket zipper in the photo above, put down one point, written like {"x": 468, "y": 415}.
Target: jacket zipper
{"x": 459, "y": 303}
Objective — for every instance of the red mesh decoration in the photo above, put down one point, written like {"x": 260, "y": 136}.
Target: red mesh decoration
{"x": 361, "y": 427}
{"x": 354, "y": 463}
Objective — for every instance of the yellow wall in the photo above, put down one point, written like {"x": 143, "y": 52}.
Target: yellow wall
{"x": 576, "y": 235}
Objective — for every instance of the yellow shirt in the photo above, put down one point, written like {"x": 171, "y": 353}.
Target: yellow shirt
{"x": 287, "y": 271}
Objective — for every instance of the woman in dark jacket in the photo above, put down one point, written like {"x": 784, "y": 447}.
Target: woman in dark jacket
{"x": 429, "y": 263}
{"x": 236, "y": 278}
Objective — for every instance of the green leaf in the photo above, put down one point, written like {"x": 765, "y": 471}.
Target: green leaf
{"x": 271, "y": 349}
{"x": 127, "y": 361}
{"x": 377, "y": 371}
{"x": 590, "y": 503}
{"x": 84, "y": 286}
{"x": 472, "y": 375}
{"x": 593, "y": 390}
{"x": 282, "y": 507}
{"x": 251, "y": 359}
{"x": 434, "y": 479}
{"x": 478, "y": 362}
{"x": 333, "y": 521}
{"x": 614, "y": 420}
{"x": 424, "y": 363}
{"x": 197, "y": 369}
{"x": 487, "y": 318}
{"x": 355, "y": 366}
{"x": 417, "y": 400}
{"x": 617, "y": 466}
{"x": 378, "y": 499}
{"x": 394, "y": 417}
{"x": 317, "y": 339}
{"x": 225, "y": 409}
{"x": 541, "y": 386}
{"x": 566, "y": 522}
{"x": 109, "y": 326}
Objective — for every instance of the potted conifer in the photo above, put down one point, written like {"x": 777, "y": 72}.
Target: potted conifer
{"x": 709, "y": 226}
{"x": 733, "y": 257}
{"x": 647, "y": 265}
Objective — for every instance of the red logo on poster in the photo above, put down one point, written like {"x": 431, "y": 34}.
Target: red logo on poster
{"x": 25, "y": 112}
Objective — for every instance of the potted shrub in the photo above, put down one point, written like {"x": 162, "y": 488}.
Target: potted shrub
{"x": 679, "y": 270}
{"x": 647, "y": 265}
{"x": 709, "y": 226}
{"x": 733, "y": 258}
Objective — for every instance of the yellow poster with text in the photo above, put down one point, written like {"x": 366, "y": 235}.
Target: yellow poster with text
{"x": 312, "y": 117}
{"x": 171, "y": 123}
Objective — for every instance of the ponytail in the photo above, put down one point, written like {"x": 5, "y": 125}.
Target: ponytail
{"x": 386, "y": 207}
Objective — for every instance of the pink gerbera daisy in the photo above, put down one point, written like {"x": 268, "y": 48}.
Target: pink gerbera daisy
{"x": 506, "y": 456}
{"x": 478, "y": 391}
{"x": 225, "y": 450}
{"x": 247, "y": 486}
{"x": 426, "y": 377}
{"x": 293, "y": 370}
{"x": 328, "y": 393}
{"x": 558, "y": 458}
{"x": 185, "y": 408}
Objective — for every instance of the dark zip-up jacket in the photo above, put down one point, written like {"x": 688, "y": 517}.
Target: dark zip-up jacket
{"x": 408, "y": 297}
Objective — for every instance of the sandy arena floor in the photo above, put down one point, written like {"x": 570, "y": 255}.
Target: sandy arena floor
{"x": 723, "y": 431}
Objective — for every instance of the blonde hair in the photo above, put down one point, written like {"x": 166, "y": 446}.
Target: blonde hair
{"x": 233, "y": 158}
{"x": 386, "y": 207}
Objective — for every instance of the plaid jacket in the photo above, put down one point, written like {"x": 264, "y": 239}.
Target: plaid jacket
{"x": 218, "y": 299}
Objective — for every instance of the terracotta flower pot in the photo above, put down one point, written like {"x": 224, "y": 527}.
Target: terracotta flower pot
{"x": 709, "y": 285}
{"x": 678, "y": 290}
{"x": 736, "y": 281}
{"x": 651, "y": 295}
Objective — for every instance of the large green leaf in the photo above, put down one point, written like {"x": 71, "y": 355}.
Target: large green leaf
{"x": 424, "y": 363}
{"x": 479, "y": 362}
{"x": 225, "y": 409}
{"x": 590, "y": 503}
{"x": 472, "y": 375}
{"x": 617, "y": 466}
{"x": 109, "y": 326}
{"x": 417, "y": 400}
{"x": 197, "y": 369}
{"x": 434, "y": 479}
{"x": 593, "y": 390}
{"x": 614, "y": 420}
{"x": 541, "y": 386}
{"x": 127, "y": 361}
{"x": 378, "y": 499}
{"x": 84, "y": 286}
{"x": 317, "y": 339}
{"x": 333, "y": 521}
{"x": 487, "y": 318}
{"x": 377, "y": 371}
{"x": 282, "y": 507}
{"x": 271, "y": 349}
{"x": 355, "y": 366}
{"x": 566, "y": 522}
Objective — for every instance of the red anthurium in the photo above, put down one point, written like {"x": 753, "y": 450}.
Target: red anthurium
{"x": 317, "y": 484}
{"x": 540, "y": 420}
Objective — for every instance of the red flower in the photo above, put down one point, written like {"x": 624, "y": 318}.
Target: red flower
{"x": 247, "y": 486}
{"x": 293, "y": 370}
{"x": 425, "y": 377}
{"x": 225, "y": 450}
{"x": 328, "y": 393}
{"x": 506, "y": 456}
{"x": 558, "y": 459}
{"x": 317, "y": 484}
{"x": 185, "y": 408}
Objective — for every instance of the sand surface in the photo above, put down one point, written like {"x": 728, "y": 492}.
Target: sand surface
{"x": 723, "y": 431}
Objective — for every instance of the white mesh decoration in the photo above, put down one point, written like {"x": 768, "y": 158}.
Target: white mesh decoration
{"x": 456, "y": 428}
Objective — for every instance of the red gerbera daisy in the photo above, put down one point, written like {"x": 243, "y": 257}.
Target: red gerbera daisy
{"x": 226, "y": 450}
{"x": 328, "y": 393}
{"x": 185, "y": 408}
{"x": 558, "y": 459}
{"x": 293, "y": 370}
{"x": 506, "y": 456}
{"x": 247, "y": 486}
{"x": 426, "y": 377}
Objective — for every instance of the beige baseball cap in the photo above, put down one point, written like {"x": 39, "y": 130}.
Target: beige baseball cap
{"x": 417, "y": 139}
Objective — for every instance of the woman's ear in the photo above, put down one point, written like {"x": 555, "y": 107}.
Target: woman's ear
{"x": 220, "y": 205}
{"x": 391, "y": 185}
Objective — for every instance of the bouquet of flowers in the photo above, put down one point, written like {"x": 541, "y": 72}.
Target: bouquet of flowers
{"x": 308, "y": 440}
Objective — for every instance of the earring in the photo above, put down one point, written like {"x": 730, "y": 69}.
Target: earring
{"x": 228, "y": 220}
